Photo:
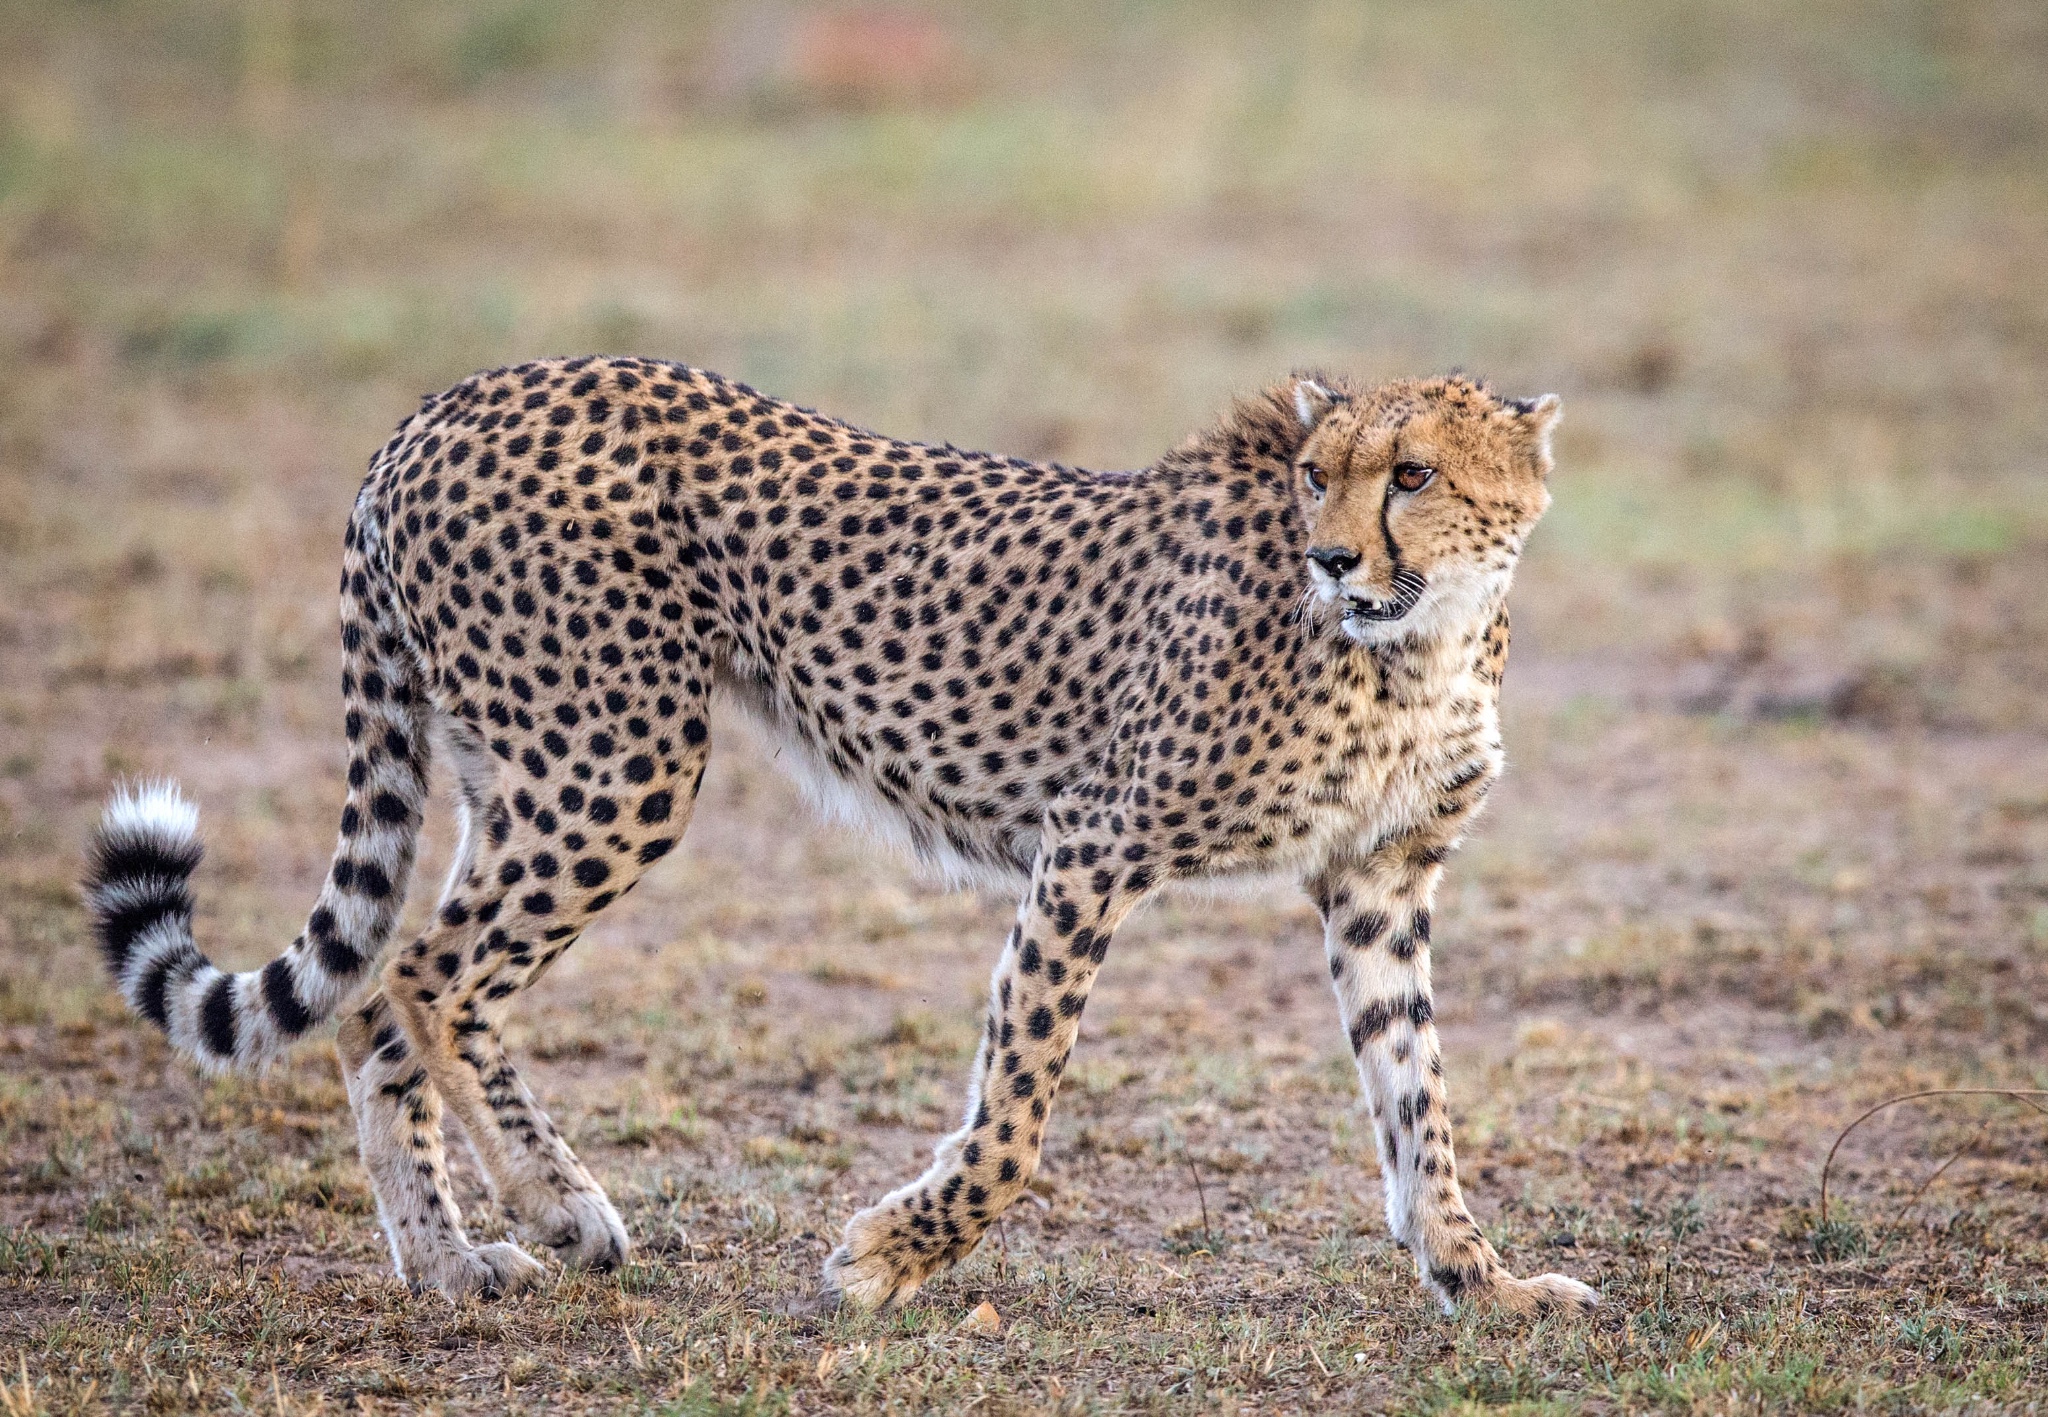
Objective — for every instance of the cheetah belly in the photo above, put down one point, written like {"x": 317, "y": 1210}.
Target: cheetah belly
{"x": 960, "y": 852}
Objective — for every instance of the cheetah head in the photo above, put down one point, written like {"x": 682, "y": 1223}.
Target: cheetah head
{"x": 1417, "y": 497}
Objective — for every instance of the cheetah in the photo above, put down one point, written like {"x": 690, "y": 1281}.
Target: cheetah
{"x": 1278, "y": 649}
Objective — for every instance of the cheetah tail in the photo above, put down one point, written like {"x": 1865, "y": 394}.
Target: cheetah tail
{"x": 142, "y": 856}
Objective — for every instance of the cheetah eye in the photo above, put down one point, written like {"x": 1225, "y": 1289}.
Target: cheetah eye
{"x": 1413, "y": 476}
{"x": 1314, "y": 476}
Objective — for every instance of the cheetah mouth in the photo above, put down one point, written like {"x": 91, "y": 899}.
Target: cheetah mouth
{"x": 1372, "y": 609}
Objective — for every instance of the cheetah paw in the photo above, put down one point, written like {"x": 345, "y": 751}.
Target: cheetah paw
{"x": 1542, "y": 1294}
{"x": 872, "y": 1269}
{"x": 583, "y": 1230}
{"x": 487, "y": 1272}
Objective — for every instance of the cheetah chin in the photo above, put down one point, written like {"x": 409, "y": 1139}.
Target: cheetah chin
{"x": 1104, "y": 684}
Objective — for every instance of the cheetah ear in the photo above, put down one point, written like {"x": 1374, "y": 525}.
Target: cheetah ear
{"x": 1312, "y": 401}
{"x": 1539, "y": 416}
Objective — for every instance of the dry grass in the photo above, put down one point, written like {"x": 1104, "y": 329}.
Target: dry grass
{"x": 1774, "y": 844}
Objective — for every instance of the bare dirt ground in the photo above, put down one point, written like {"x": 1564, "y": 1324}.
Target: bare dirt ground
{"x": 1773, "y": 845}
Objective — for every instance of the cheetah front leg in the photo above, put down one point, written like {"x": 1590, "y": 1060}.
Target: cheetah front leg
{"x": 1081, "y": 889}
{"x": 1376, "y": 932}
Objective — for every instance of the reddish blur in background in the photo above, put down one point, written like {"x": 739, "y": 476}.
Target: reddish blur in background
{"x": 1772, "y": 843}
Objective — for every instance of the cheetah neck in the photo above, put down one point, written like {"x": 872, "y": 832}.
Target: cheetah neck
{"x": 1445, "y": 656}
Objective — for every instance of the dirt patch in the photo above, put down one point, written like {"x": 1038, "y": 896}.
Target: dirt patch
{"x": 1771, "y": 845}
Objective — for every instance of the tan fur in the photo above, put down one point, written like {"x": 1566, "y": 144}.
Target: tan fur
{"x": 1099, "y": 684}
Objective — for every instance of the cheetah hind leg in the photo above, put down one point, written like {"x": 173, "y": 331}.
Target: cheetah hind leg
{"x": 398, "y": 1127}
{"x": 451, "y": 1008}
{"x": 533, "y": 888}
{"x": 451, "y": 1018}
{"x": 553, "y": 1200}
{"x": 462, "y": 747}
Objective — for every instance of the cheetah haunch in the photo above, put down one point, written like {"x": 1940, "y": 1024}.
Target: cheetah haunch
{"x": 1279, "y": 648}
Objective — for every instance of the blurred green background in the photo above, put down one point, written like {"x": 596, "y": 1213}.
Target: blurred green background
{"x": 1774, "y": 841}
{"x": 1785, "y": 262}
{"x": 1788, "y": 265}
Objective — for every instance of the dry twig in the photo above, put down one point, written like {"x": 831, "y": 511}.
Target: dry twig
{"x": 1201, "y": 1195}
{"x": 2023, "y": 1095}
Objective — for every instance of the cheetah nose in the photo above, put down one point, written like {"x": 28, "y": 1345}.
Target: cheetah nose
{"x": 1336, "y": 561}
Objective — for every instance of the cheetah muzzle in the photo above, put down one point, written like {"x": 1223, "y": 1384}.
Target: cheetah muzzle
{"x": 1408, "y": 589}
{"x": 1278, "y": 648}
